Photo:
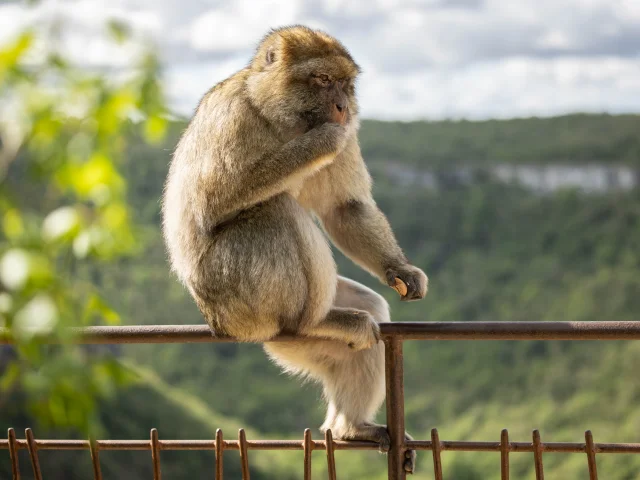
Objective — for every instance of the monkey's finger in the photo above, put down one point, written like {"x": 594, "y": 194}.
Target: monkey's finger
{"x": 415, "y": 290}
{"x": 412, "y": 291}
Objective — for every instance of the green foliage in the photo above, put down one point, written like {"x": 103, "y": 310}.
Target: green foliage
{"x": 573, "y": 139}
{"x": 63, "y": 202}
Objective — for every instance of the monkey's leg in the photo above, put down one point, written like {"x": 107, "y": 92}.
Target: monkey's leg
{"x": 356, "y": 327}
{"x": 353, "y": 380}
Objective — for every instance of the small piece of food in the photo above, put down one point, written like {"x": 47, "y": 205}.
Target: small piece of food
{"x": 400, "y": 287}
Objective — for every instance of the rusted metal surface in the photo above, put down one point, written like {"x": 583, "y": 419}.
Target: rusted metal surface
{"x": 331, "y": 460}
{"x": 155, "y": 455}
{"x": 397, "y": 330}
{"x": 394, "y": 381}
{"x": 188, "y": 445}
{"x": 537, "y": 455}
{"x": 244, "y": 456}
{"x": 95, "y": 459}
{"x": 308, "y": 447}
{"x": 13, "y": 454}
{"x": 393, "y": 335}
{"x": 33, "y": 453}
{"x": 203, "y": 445}
{"x": 504, "y": 455}
{"x": 523, "y": 447}
{"x": 504, "y": 447}
{"x": 219, "y": 455}
{"x": 591, "y": 455}
{"x": 436, "y": 448}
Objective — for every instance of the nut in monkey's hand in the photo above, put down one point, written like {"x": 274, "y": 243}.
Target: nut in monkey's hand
{"x": 409, "y": 281}
{"x": 399, "y": 286}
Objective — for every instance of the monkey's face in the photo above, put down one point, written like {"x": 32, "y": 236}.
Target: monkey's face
{"x": 303, "y": 78}
{"x": 332, "y": 98}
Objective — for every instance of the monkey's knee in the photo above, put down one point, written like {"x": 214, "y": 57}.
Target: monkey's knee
{"x": 352, "y": 294}
{"x": 380, "y": 310}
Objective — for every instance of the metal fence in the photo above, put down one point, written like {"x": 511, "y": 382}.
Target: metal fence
{"x": 394, "y": 334}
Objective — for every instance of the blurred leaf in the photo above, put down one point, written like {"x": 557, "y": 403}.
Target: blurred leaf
{"x": 12, "y": 224}
{"x": 6, "y": 302}
{"x": 115, "y": 216}
{"x": 97, "y": 306}
{"x": 13, "y": 52}
{"x": 92, "y": 178}
{"x": 155, "y": 128}
{"x": 9, "y": 376}
{"x": 119, "y": 30}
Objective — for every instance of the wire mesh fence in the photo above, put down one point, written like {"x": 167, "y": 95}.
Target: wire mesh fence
{"x": 394, "y": 335}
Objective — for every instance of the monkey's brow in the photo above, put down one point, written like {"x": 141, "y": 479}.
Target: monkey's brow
{"x": 331, "y": 77}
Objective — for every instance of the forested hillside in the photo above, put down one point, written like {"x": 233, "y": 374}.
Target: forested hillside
{"x": 493, "y": 252}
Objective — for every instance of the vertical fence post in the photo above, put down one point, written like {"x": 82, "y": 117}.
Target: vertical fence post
{"x": 394, "y": 378}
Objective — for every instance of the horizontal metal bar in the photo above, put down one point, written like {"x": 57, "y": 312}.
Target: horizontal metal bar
{"x": 188, "y": 445}
{"x": 525, "y": 447}
{"x": 460, "y": 446}
{"x": 403, "y": 330}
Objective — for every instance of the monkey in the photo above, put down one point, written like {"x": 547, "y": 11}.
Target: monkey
{"x": 268, "y": 169}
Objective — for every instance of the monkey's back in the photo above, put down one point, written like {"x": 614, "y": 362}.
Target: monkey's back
{"x": 204, "y": 168}
{"x": 253, "y": 272}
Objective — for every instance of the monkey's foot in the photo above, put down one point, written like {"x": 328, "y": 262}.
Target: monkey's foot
{"x": 379, "y": 434}
{"x": 409, "y": 457}
{"x": 368, "y": 335}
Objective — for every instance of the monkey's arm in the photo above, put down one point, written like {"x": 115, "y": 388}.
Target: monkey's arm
{"x": 249, "y": 178}
{"x": 360, "y": 230}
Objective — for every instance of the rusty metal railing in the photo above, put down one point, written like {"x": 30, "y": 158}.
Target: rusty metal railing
{"x": 394, "y": 334}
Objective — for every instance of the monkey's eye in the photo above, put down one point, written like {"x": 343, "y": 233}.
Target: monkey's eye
{"x": 323, "y": 79}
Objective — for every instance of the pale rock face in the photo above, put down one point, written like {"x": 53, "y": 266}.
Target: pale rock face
{"x": 588, "y": 178}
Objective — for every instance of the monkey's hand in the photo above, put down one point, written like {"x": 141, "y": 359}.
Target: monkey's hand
{"x": 409, "y": 281}
{"x": 329, "y": 138}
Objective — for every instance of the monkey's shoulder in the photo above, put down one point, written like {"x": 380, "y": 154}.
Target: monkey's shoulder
{"x": 225, "y": 114}
{"x": 224, "y": 94}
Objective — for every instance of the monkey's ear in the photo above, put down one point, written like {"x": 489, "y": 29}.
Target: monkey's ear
{"x": 270, "y": 57}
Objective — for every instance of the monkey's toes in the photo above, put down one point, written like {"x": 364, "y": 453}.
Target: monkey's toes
{"x": 410, "y": 461}
{"x": 369, "y": 337}
{"x": 384, "y": 441}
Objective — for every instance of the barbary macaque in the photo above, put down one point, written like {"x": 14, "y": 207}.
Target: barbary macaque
{"x": 269, "y": 149}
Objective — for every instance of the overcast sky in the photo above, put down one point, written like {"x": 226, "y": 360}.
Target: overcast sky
{"x": 420, "y": 58}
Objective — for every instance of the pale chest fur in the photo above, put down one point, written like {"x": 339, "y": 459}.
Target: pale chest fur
{"x": 337, "y": 181}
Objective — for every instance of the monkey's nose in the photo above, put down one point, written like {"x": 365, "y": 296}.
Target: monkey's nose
{"x": 339, "y": 113}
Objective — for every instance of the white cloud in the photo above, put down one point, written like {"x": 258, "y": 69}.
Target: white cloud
{"x": 423, "y": 58}
{"x": 84, "y": 35}
{"x": 187, "y": 83}
{"x": 506, "y": 88}
{"x": 239, "y": 25}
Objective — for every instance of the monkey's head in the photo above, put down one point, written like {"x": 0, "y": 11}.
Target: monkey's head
{"x": 301, "y": 78}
